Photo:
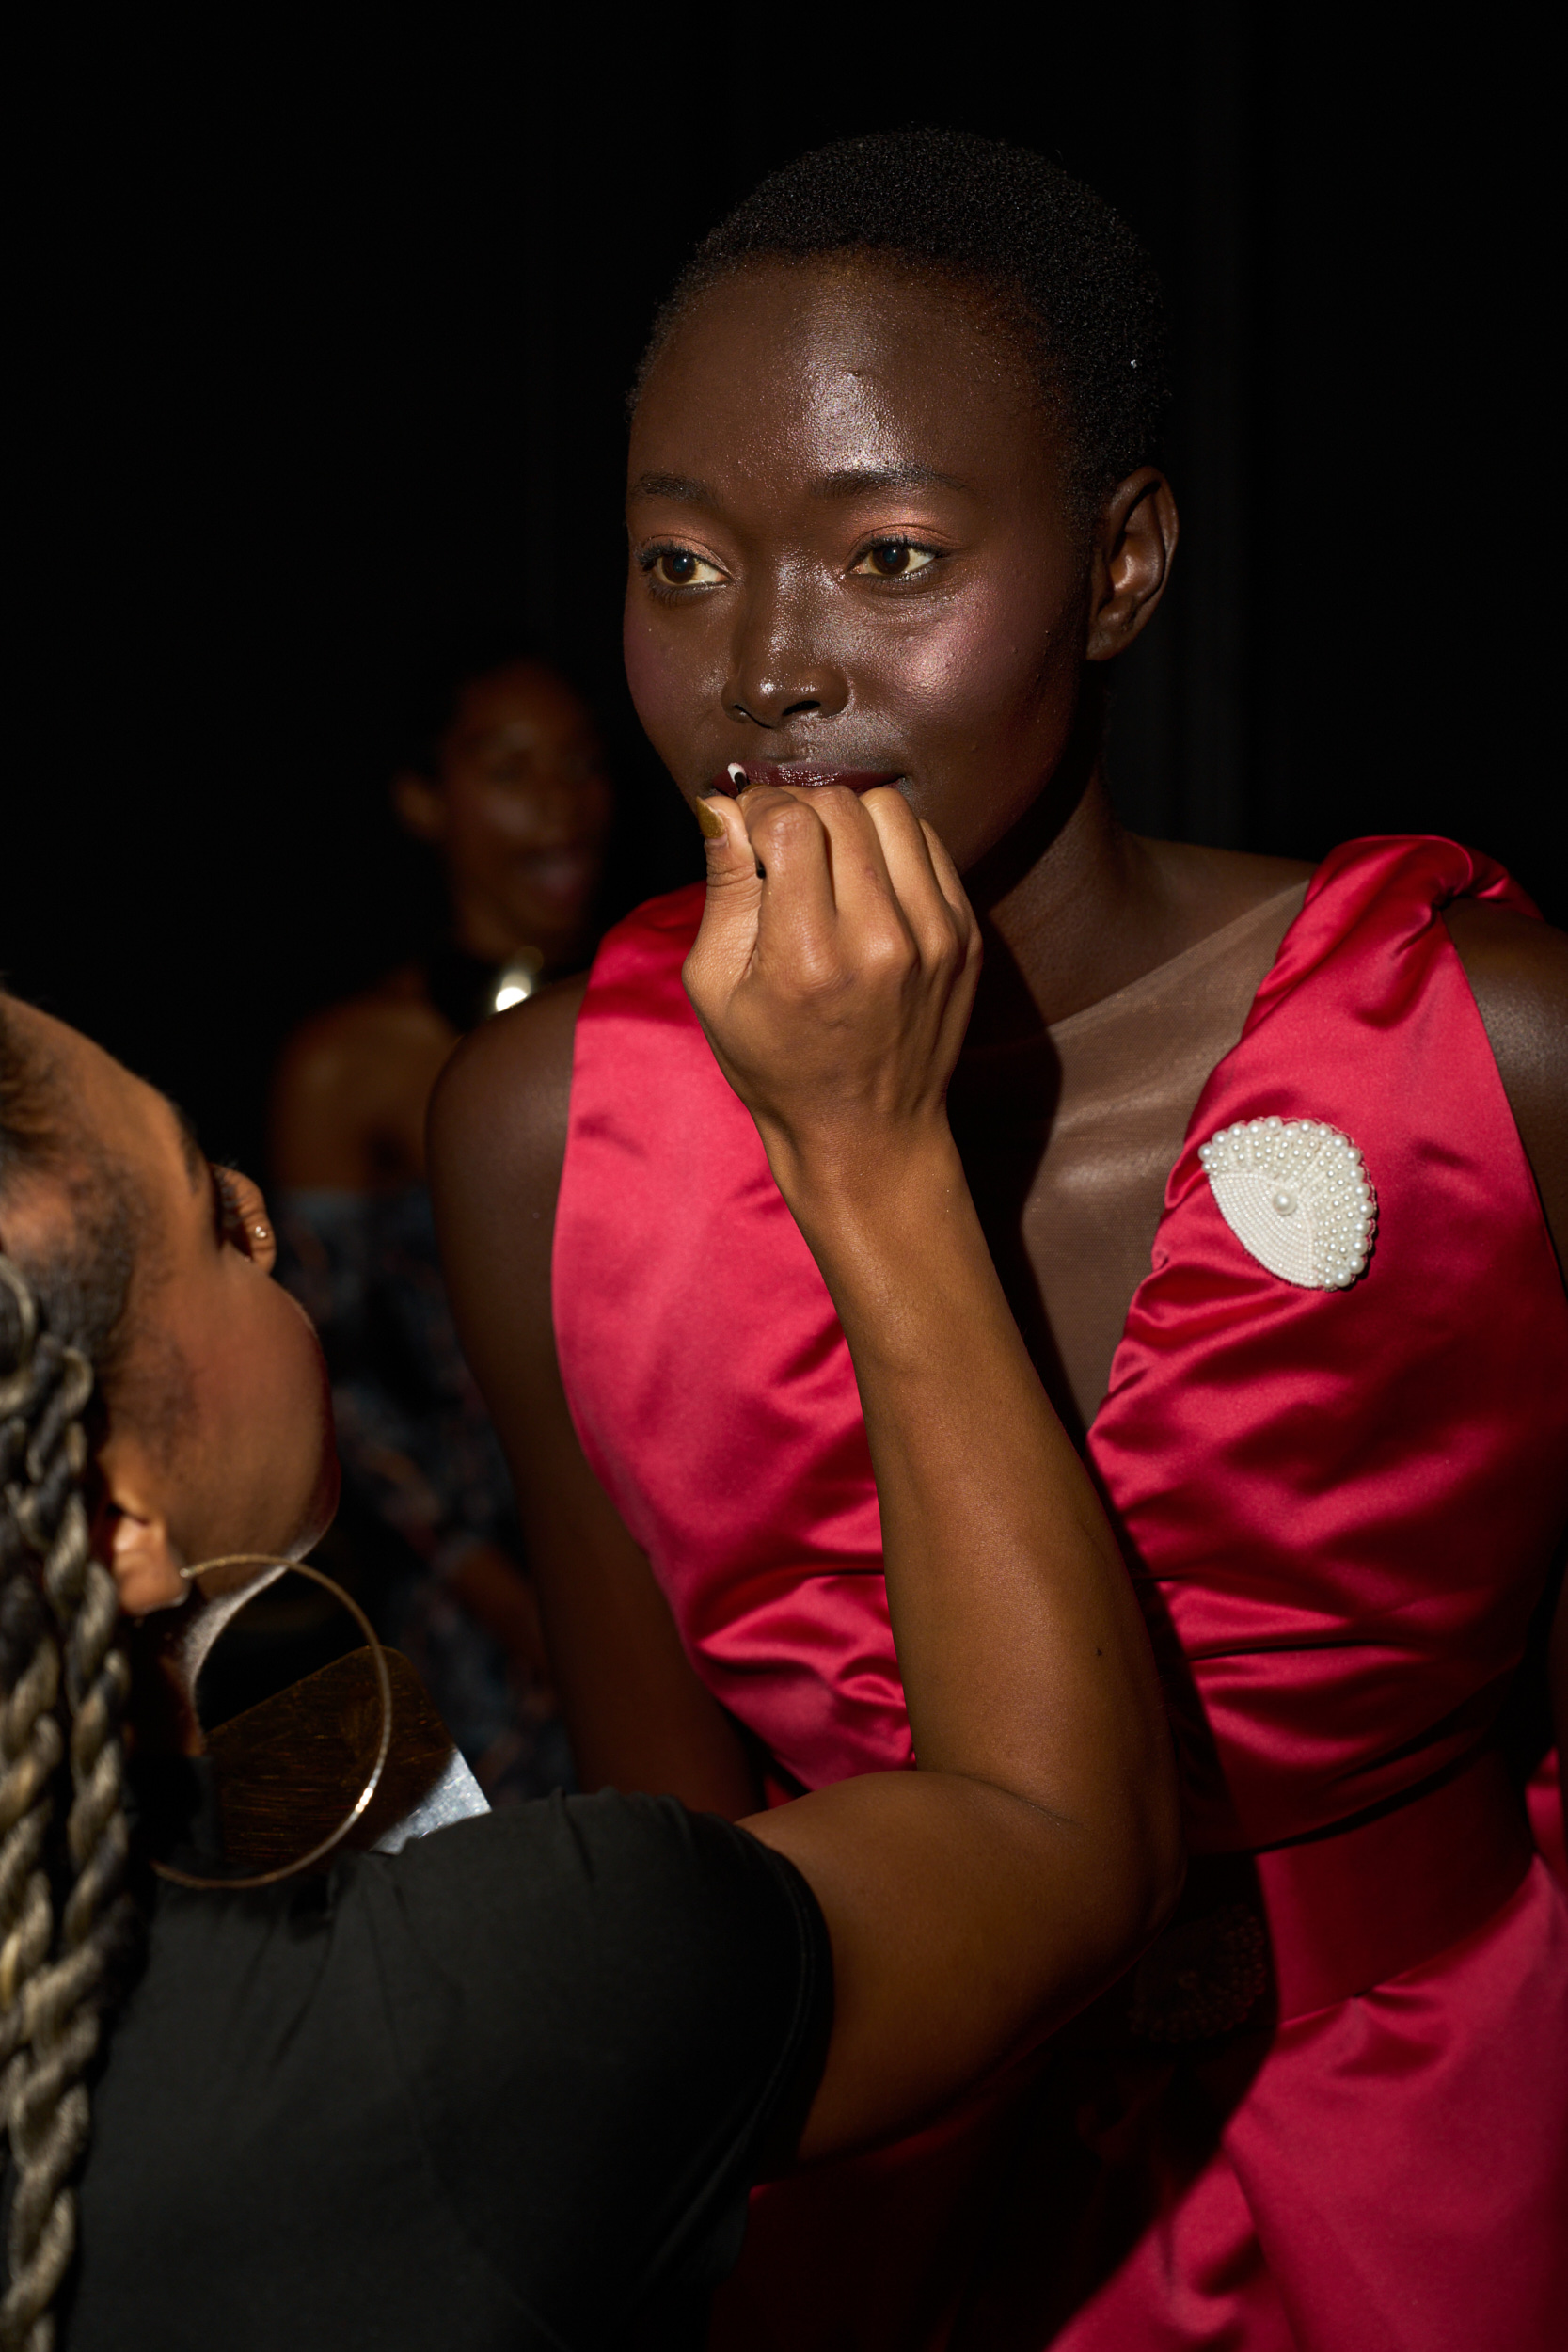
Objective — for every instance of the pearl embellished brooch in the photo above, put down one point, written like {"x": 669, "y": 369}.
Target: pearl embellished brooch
{"x": 1297, "y": 1197}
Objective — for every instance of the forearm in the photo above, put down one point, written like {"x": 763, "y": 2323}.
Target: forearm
{"x": 1038, "y": 1845}
{"x": 1021, "y": 1644}
{"x": 982, "y": 1898}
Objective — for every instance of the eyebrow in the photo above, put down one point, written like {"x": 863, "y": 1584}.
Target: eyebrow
{"x": 672, "y": 485}
{"x": 851, "y": 481}
{"x": 847, "y": 481}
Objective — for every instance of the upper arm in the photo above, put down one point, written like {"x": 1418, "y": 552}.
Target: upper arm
{"x": 1518, "y": 974}
{"x": 638, "y": 1714}
{"x": 315, "y": 1138}
{"x": 348, "y": 1095}
{"x": 964, "y": 1922}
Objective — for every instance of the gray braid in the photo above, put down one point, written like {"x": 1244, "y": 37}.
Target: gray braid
{"x": 52, "y": 1975}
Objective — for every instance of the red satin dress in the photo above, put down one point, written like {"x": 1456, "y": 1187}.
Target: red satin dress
{"x": 1339, "y": 1506}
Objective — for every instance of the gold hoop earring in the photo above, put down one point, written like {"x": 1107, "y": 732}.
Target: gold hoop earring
{"x": 384, "y": 1687}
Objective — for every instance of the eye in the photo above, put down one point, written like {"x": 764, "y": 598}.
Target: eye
{"x": 678, "y": 568}
{"x": 894, "y": 559}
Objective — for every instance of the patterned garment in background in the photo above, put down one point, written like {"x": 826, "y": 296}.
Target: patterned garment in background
{"x": 423, "y": 1471}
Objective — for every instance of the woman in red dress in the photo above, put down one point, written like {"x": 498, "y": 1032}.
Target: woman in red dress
{"x": 1271, "y": 1163}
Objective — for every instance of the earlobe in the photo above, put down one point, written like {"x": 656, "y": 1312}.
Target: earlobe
{"x": 1137, "y": 536}
{"x": 420, "y": 807}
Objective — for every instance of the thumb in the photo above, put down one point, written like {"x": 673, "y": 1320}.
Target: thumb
{"x": 728, "y": 935}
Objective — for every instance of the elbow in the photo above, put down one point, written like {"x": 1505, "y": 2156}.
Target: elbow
{"x": 1142, "y": 1887}
{"x": 1155, "y": 1867}
{"x": 1163, "y": 1873}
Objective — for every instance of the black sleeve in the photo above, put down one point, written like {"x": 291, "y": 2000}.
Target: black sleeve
{"x": 600, "y": 2007}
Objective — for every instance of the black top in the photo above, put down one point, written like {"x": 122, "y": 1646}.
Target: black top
{"x": 507, "y": 2087}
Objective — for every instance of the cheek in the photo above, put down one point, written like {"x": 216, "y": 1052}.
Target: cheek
{"x": 995, "y": 662}
{"x": 478, "y": 830}
{"x": 314, "y": 1437}
{"x": 986, "y": 701}
{"x": 462, "y": 842}
{"x": 512, "y": 820}
{"x": 674, "y": 678}
{"x": 284, "y": 1411}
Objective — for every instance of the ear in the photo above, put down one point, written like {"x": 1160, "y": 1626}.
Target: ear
{"x": 138, "y": 1549}
{"x": 1134, "y": 542}
{"x": 421, "y": 805}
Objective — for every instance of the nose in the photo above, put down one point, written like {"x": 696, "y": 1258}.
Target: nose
{"x": 777, "y": 670}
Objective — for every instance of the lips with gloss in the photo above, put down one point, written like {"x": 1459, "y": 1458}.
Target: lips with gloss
{"x": 802, "y": 774}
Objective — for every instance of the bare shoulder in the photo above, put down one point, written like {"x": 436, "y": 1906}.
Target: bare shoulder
{"x": 350, "y": 1089}
{"x": 1519, "y": 962}
{"x": 498, "y": 1115}
{"x": 1518, "y": 974}
{"x": 323, "y": 1049}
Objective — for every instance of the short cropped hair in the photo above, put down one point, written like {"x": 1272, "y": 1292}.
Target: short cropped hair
{"x": 1063, "y": 270}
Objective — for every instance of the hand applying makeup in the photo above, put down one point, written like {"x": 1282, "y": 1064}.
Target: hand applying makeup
{"x": 834, "y": 975}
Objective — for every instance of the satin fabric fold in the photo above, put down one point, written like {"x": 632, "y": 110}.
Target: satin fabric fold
{"x": 1338, "y": 1507}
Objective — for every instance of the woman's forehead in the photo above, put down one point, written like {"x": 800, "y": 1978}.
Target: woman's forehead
{"x": 840, "y": 362}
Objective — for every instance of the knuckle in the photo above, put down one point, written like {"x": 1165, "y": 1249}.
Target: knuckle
{"x": 836, "y": 797}
{"x": 785, "y": 820}
{"x": 818, "y": 970}
{"x": 890, "y": 953}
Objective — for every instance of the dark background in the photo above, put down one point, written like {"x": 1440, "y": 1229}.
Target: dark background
{"x": 326, "y": 335}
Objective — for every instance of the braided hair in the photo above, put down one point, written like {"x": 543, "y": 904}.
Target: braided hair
{"x": 1064, "y": 272}
{"x": 66, "y": 1917}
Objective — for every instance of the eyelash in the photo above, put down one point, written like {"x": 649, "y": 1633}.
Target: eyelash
{"x": 649, "y": 557}
{"x": 899, "y": 539}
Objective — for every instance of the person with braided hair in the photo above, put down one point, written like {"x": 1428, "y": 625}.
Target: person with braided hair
{"x": 51, "y": 1985}
{"x": 511, "y": 2085}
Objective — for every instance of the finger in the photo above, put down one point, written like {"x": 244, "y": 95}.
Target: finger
{"x": 797, "y": 923}
{"x": 929, "y": 911}
{"x": 727, "y": 936}
{"x": 949, "y": 883}
{"x": 866, "y": 903}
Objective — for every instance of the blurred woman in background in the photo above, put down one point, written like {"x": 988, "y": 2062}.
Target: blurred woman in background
{"x": 503, "y": 774}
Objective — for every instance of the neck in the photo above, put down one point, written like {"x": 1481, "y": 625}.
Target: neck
{"x": 1070, "y": 903}
{"x": 481, "y": 930}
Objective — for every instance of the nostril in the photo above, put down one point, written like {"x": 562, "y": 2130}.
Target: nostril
{"x": 793, "y": 710}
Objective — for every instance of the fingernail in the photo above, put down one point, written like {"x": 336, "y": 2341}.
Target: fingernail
{"x": 710, "y": 821}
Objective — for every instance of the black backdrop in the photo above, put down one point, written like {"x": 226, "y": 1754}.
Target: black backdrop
{"x": 325, "y": 339}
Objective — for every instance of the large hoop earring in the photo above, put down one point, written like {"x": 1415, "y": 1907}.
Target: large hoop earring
{"x": 384, "y": 1687}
